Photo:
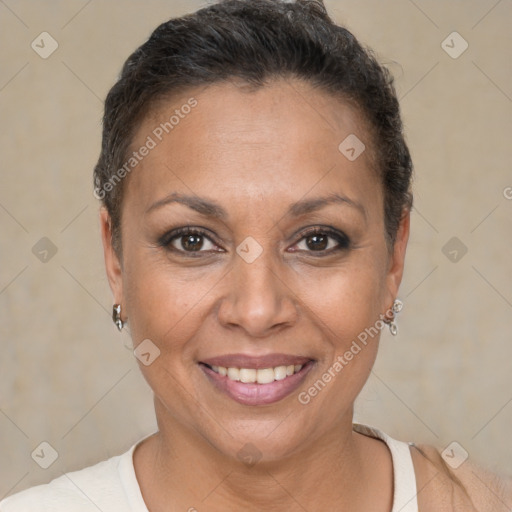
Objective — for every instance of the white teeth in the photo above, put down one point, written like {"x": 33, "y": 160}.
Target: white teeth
{"x": 280, "y": 372}
{"x": 233, "y": 373}
{"x": 247, "y": 375}
{"x": 265, "y": 376}
{"x": 261, "y": 376}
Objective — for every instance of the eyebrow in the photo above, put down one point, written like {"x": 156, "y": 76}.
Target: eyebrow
{"x": 203, "y": 206}
{"x": 310, "y": 205}
{"x": 210, "y": 208}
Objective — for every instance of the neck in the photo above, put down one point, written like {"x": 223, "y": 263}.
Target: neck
{"x": 181, "y": 467}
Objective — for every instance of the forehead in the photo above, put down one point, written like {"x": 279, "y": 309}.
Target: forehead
{"x": 236, "y": 142}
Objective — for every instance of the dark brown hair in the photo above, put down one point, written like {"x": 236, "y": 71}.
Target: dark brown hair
{"x": 256, "y": 41}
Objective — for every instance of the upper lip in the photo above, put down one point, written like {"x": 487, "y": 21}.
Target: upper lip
{"x": 256, "y": 362}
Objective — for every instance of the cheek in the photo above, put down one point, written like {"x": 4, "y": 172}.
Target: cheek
{"x": 345, "y": 305}
{"x": 344, "y": 300}
{"x": 169, "y": 309}
{"x": 165, "y": 303}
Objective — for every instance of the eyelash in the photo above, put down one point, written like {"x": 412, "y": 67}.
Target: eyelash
{"x": 342, "y": 240}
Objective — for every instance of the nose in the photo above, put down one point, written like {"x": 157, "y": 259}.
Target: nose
{"x": 258, "y": 300}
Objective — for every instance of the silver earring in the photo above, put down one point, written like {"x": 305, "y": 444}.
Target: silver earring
{"x": 116, "y": 316}
{"x": 395, "y": 309}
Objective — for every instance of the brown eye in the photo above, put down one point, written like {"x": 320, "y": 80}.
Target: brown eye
{"x": 317, "y": 242}
{"x": 187, "y": 240}
{"x": 191, "y": 242}
{"x": 323, "y": 241}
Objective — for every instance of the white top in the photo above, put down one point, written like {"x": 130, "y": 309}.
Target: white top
{"x": 111, "y": 485}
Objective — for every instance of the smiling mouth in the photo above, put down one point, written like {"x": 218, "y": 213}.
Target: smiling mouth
{"x": 257, "y": 386}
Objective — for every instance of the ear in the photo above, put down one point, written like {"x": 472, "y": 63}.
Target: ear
{"x": 113, "y": 265}
{"x": 397, "y": 258}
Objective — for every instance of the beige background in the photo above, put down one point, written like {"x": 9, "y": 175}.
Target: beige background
{"x": 67, "y": 377}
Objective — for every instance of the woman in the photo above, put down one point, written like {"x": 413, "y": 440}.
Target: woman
{"x": 255, "y": 188}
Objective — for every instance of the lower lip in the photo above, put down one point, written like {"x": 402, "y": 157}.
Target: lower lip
{"x": 257, "y": 394}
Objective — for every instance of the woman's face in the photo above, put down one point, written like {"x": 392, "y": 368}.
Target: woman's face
{"x": 251, "y": 173}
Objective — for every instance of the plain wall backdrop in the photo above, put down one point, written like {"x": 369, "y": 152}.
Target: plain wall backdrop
{"x": 68, "y": 378}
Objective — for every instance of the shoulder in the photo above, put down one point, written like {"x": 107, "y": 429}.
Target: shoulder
{"x": 467, "y": 487}
{"x": 89, "y": 489}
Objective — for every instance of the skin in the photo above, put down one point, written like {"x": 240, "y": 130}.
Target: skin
{"x": 256, "y": 152}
